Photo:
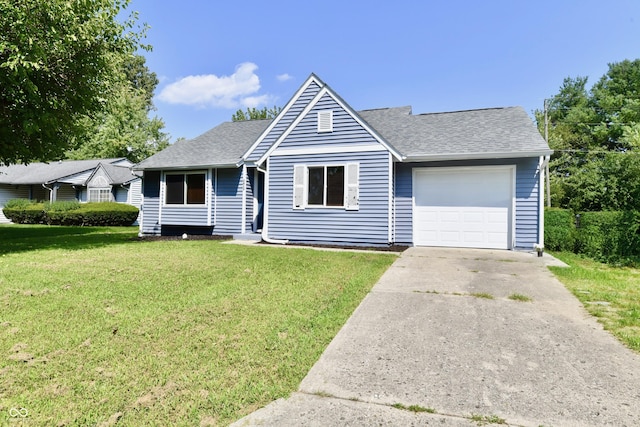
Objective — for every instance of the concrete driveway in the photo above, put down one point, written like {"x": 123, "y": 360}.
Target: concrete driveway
{"x": 422, "y": 338}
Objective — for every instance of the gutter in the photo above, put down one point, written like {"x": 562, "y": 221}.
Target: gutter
{"x": 476, "y": 156}
{"x": 265, "y": 212}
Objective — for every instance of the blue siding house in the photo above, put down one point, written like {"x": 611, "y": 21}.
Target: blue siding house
{"x": 323, "y": 173}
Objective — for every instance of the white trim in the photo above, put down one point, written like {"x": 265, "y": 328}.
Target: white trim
{"x": 327, "y": 91}
{"x": 256, "y": 207}
{"x": 243, "y": 178}
{"x": 351, "y": 173}
{"x": 391, "y": 215}
{"x": 215, "y": 195}
{"x": 312, "y": 79}
{"x": 161, "y": 201}
{"x": 328, "y": 149}
{"x": 435, "y": 170}
{"x": 208, "y": 197}
{"x": 541, "y": 192}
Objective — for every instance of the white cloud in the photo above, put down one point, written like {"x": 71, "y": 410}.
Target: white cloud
{"x": 238, "y": 89}
{"x": 283, "y": 77}
{"x": 255, "y": 101}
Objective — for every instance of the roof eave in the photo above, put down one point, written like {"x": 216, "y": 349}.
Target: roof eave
{"x": 188, "y": 167}
{"x": 476, "y": 156}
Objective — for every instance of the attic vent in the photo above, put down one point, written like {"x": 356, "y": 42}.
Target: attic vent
{"x": 325, "y": 121}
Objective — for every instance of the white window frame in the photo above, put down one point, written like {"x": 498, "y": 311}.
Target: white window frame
{"x": 185, "y": 189}
{"x": 101, "y": 191}
{"x": 351, "y": 183}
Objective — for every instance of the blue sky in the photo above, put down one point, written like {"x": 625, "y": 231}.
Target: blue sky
{"x": 214, "y": 57}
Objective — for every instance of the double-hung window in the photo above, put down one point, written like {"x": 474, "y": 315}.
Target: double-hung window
{"x": 100, "y": 195}
{"x": 185, "y": 188}
{"x": 317, "y": 186}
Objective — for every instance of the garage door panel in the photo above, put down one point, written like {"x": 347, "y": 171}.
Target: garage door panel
{"x": 463, "y": 207}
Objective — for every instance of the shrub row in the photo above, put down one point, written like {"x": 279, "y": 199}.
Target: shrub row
{"x": 610, "y": 236}
{"x": 71, "y": 213}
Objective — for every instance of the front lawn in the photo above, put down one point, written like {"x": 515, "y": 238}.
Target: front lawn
{"x": 612, "y": 294}
{"x": 98, "y": 327}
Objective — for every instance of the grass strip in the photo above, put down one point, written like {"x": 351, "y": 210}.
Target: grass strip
{"x": 609, "y": 293}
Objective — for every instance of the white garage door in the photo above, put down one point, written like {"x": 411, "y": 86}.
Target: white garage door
{"x": 466, "y": 207}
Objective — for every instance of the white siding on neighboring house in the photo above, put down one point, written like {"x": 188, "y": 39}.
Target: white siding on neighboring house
{"x": 8, "y": 192}
{"x": 135, "y": 193}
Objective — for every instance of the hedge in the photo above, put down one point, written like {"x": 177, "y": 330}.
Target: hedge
{"x": 559, "y": 229}
{"x": 612, "y": 237}
{"x": 609, "y": 236}
{"x": 71, "y": 213}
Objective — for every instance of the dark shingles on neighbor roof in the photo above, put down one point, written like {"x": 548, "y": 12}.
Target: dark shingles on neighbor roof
{"x": 39, "y": 173}
{"x": 460, "y": 134}
{"x": 223, "y": 145}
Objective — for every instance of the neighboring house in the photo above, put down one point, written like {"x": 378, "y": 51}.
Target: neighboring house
{"x": 323, "y": 173}
{"x": 101, "y": 180}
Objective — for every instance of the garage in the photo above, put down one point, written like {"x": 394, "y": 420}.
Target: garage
{"x": 466, "y": 207}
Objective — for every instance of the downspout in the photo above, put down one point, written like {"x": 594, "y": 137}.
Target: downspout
{"x": 141, "y": 208}
{"x": 543, "y": 162}
{"x": 50, "y": 192}
{"x": 265, "y": 211}
{"x": 243, "y": 178}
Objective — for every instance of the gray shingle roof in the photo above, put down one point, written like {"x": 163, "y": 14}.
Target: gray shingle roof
{"x": 119, "y": 174}
{"x": 492, "y": 132}
{"x": 472, "y": 134}
{"x": 42, "y": 173}
{"x": 223, "y": 145}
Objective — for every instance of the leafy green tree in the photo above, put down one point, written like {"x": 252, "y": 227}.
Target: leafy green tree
{"x": 124, "y": 128}
{"x": 596, "y": 135}
{"x": 256, "y": 114}
{"x": 60, "y": 60}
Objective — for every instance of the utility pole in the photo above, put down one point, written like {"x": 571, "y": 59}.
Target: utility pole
{"x": 546, "y": 138}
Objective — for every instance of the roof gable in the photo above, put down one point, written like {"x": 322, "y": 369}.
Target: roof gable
{"x": 296, "y": 104}
{"x": 327, "y": 92}
{"x": 115, "y": 174}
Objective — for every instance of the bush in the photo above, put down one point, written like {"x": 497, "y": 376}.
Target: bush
{"x": 18, "y": 203}
{"x": 559, "y": 229}
{"x": 61, "y": 206}
{"x": 24, "y": 211}
{"x": 610, "y": 236}
{"x": 71, "y": 213}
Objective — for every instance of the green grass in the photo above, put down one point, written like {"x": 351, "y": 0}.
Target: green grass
{"x": 487, "y": 419}
{"x": 612, "y": 294}
{"x": 98, "y": 327}
{"x": 519, "y": 297}
{"x": 484, "y": 295}
{"x": 413, "y": 408}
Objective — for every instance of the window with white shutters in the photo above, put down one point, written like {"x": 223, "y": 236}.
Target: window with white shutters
{"x": 326, "y": 186}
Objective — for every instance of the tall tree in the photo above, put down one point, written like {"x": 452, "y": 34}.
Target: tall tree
{"x": 596, "y": 135}
{"x": 59, "y": 61}
{"x": 124, "y": 128}
{"x": 256, "y": 114}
